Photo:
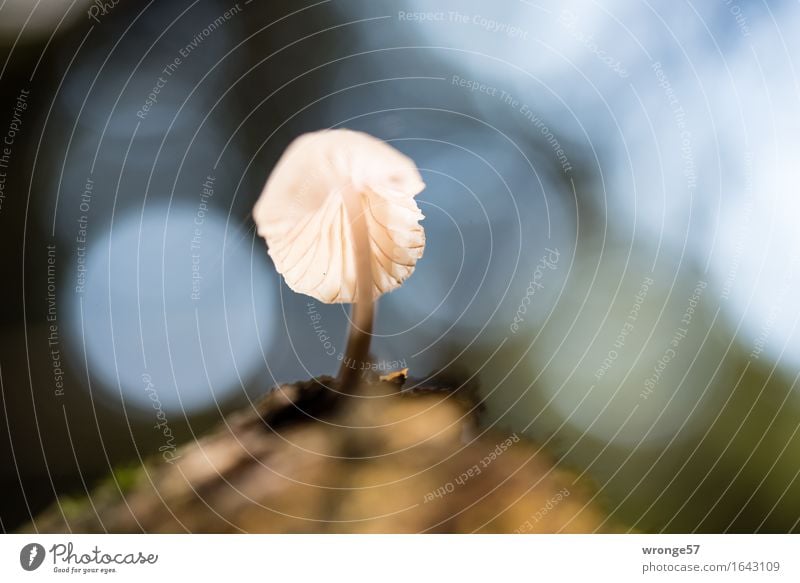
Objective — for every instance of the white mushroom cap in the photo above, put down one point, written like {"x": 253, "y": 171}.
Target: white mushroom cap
{"x": 303, "y": 214}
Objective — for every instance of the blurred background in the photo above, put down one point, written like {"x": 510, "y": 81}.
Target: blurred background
{"x": 610, "y": 213}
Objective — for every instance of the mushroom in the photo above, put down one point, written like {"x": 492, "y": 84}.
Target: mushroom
{"x": 341, "y": 225}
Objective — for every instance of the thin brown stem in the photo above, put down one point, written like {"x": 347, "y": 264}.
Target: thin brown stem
{"x": 361, "y": 315}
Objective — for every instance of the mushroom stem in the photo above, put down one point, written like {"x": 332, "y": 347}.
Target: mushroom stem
{"x": 361, "y": 315}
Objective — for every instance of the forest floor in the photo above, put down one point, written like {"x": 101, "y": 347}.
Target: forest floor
{"x": 307, "y": 459}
